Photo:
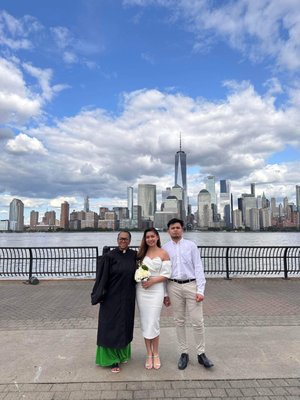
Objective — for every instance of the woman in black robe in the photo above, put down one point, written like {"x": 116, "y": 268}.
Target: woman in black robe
{"x": 114, "y": 289}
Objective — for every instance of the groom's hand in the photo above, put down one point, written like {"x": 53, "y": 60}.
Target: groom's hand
{"x": 167, "y": 302}
{"x": 199, "y": 297}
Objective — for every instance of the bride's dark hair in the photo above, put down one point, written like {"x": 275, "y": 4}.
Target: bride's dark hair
{"x": 143, "y": 246}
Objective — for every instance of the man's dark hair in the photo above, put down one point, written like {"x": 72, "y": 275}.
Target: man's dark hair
{"x": 175, "y": 221}
{"x": 125, "y": 231}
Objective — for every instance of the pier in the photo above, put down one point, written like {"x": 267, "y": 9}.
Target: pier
{"x": 48, "y": 342}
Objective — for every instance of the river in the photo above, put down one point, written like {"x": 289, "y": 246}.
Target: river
{"x": 101, "y": 239}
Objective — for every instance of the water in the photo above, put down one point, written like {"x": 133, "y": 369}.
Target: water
{"x": 101, "y": 239}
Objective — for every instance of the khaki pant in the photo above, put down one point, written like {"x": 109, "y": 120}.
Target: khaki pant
{"x": 183, "y": 301}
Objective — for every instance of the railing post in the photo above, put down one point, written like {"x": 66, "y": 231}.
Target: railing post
{"x": 227, "y": 263}
{"x": 30, "y": 264}
{"x": 285, "y": 266}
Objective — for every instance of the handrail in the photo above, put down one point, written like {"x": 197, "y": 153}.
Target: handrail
{"x": 227, "y": 261}
{"x": 48, "y": 261}
{"x": 247, "y": 260}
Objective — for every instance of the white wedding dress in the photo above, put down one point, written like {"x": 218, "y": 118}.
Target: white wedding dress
{"x": 150, "y": 300}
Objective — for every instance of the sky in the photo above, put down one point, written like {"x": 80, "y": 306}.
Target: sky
{"x": 94, "y": 95}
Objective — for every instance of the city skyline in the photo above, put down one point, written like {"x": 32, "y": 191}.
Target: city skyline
{"x": 148, "y": 193}
{"x": 95, "y": 95}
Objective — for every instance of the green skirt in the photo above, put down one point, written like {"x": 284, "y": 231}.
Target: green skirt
{"x": 105, "y": 356}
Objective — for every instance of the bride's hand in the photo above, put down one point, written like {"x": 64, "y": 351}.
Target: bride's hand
{"x": 147, "y": 283}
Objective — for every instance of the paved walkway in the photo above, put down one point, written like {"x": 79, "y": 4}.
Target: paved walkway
{"x": 48, "y": 334}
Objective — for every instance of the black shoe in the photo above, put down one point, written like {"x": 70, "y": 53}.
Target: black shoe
{"x": 183, "y": 361}
{"x": 203, "y": 360}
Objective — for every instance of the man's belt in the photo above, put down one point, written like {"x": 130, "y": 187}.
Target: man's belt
{"x": 181, "y": 282}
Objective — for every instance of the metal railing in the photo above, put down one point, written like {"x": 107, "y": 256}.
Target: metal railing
{"x": 247, "y": 260}
{"x": 48, "y": 261}
{"x": 226, "y": 261}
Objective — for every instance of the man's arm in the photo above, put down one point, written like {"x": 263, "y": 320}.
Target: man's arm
{"x": 199, "y": 272}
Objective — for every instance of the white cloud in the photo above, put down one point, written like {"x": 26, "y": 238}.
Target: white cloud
{"x": 17, "y": 103}
{"x": 25, "y": 144}
{"x": 62, "y": 36}
{"x": 44, "y": 77}
{"x": 57, "y": 202}
{"x": 14, "y": 33}
{"x": 101, "y": 154}
{"x": 259, "y": 29}
{"x": 20, "y": 102}
{"x": 75, "y": 50}
{"x": 69, "y": 57}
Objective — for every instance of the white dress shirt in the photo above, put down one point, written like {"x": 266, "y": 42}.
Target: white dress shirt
{"x": 186, "y": 262}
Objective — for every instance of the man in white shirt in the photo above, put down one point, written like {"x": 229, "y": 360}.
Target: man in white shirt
{"x": 186, "y": 291}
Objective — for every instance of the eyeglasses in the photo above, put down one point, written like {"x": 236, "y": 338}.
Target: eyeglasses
{"x": 124, "y": 239}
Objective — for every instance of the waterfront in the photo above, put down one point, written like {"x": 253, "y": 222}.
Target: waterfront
{"x": 101, "y": 239}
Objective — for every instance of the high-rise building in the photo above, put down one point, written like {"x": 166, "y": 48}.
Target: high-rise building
{"x": 49, "y": 218}
{"x": 298, "y": 197}
{"x": 137, "y": 216}
{"x": 265, "y": 218}
{"x": 102, "y": 211}
{"x": 248, "y": 203}
{"x": 109, "y": 221}
{"x": 237, "y": 219}
{"x": 64, "y": 215}
{"x": 180, "y": 174}
{"x": 34, "y": 218}
{"x": 274, "y": 208}
{"x": 285, "y": 205}
{"x": 259, "y": 202}
{"x": 86, "y": 206}
{"x": 16, "y": 215}
{"x": 130, "y": 201}
{"x": 264, "y": 201}
{"x": 254, "y": 219}
{"x": 210, "y": 185}
{"x": 147, "y": 200}
{"x": 225, "y": 202}
{"x": 253, "y": 189}
{"x": 204, "y": 209}
{"x": 165, "y": 194}
{"x": 121, "y": 212}
{"x": 90, "y": 221}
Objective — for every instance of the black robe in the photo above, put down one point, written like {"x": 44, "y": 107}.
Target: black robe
{"x": 114, "y": 289}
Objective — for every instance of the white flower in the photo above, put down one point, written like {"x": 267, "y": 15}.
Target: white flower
{"x": 142, "y": 273}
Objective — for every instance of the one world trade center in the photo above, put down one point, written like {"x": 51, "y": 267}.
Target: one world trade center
{"x": 180, "y": 174}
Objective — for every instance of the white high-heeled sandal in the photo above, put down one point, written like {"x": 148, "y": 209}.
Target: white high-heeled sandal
{"x": 156, "y": 365}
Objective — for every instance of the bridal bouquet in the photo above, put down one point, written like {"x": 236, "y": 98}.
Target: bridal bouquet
{"x": 142, "y": 273}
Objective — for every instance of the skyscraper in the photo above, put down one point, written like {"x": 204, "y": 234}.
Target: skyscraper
{"x": 86, "y": 206}
{"x": 180, "y": 174}
{"x": 64, "y": 215}
{"x": 34, "y": 218}
{"x": 298, "y": 197}
{"x": 130, "y": 201}
{"x": 16, "y": 215}
{"x": 49, "y": 218}
{"x": 204, "y": 209}
{"x": 210, "y": 185}
{"x": 225, "y": 202}
{"x": 147, "y": 200}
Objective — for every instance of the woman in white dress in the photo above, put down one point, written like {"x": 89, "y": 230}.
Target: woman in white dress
{"x": 150, "y": 293}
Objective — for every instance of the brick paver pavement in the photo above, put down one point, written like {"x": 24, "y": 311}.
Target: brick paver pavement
{"x": 66, "y": 304}
{"x": 238, "y": 302}
{"x": 258, "y": 389}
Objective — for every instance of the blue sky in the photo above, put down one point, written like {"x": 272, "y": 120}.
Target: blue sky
{"x": 94, "y": 94}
